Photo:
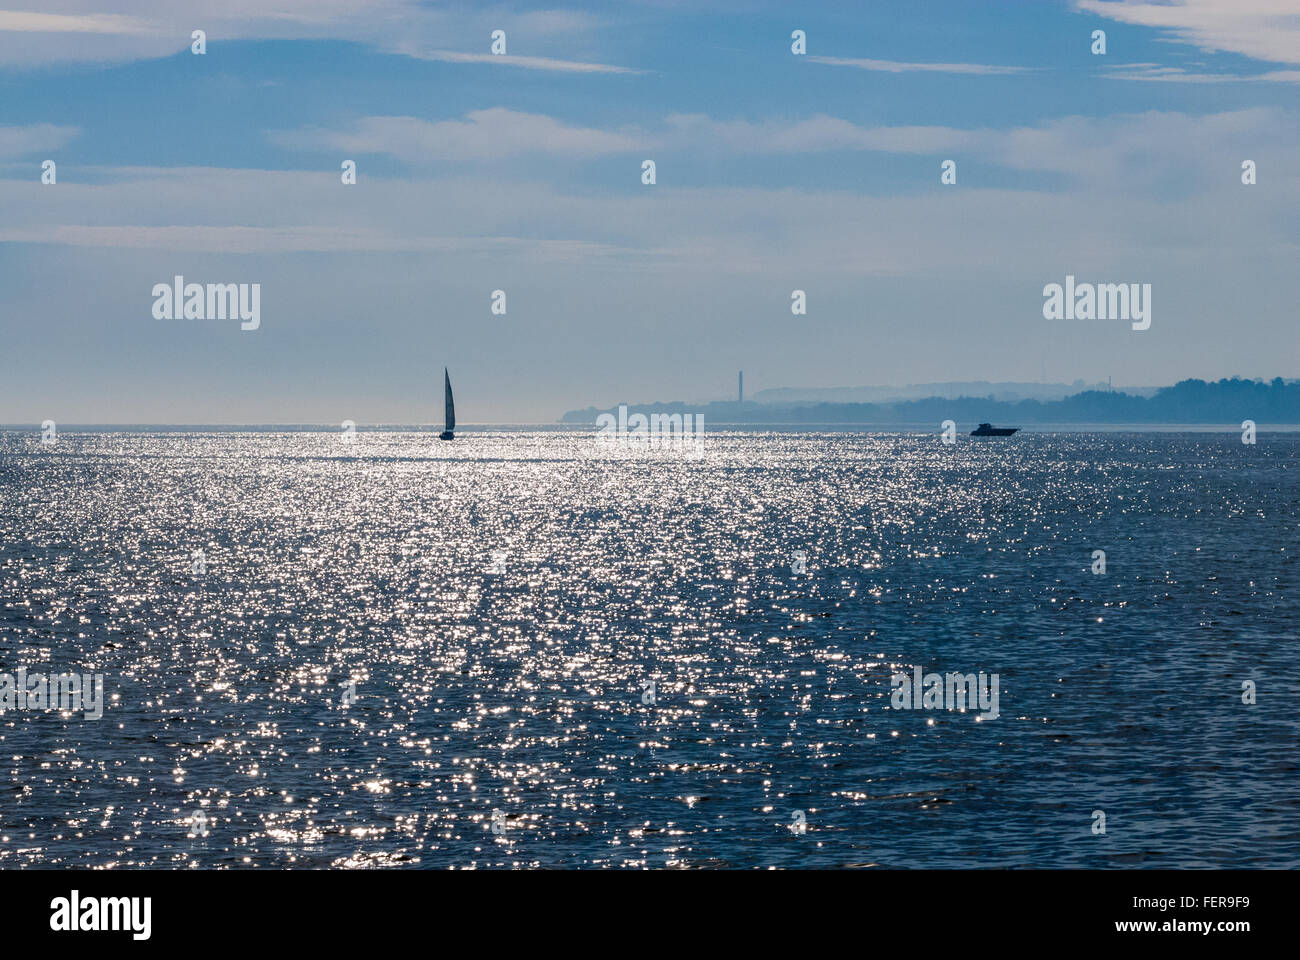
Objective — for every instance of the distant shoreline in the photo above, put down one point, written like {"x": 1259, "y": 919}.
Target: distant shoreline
{"x": 1188, "y": 403}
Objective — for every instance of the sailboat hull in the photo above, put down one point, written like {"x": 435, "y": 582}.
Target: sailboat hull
{"x": 446, "y": 435}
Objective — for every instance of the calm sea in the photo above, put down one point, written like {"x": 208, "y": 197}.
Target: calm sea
{"x": 406, "y": 653}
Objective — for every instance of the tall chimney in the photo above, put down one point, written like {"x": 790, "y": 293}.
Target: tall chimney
{"x": 742, "y": 387}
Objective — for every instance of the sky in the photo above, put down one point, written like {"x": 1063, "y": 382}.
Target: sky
{"x": 522, "y": 172}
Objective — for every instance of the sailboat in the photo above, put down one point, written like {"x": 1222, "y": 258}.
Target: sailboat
{"x": 451, "y": 410}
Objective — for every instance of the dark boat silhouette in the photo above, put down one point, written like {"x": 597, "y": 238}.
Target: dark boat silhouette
{"x": 450, "y": 410}
{"x": 988, "y": 430}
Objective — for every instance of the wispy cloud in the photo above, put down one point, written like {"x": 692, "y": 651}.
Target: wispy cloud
{"x": 1260, "y": 29}
{"x": 255, "y": 240}
{"x": 80, "y": 30}
{"x": 23, "y": 21}
{"x": 897, "y": 66}
{"x": 482, "y": 135}
{"x": 812, "y": 135}
{"x": 24, "y": 141}
{"x": 1152, "y": 72}
{"x": 255, "y": 212}
{"x": 509, "y": 60}
{"x": 1150, "y": 152}
{"x": 1129, "y": 152}
{"x": 1155, "y": 153}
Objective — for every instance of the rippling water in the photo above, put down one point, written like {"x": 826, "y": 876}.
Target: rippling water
{"x": 521, "y": 692}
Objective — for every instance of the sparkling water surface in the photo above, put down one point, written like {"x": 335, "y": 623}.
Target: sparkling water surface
{"x": 522, "y": 691}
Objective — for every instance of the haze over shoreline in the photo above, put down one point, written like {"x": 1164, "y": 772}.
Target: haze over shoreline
{"x": 1187, "y": 402}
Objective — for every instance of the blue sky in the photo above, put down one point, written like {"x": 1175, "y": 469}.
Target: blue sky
{"x": 775, "y": 172}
